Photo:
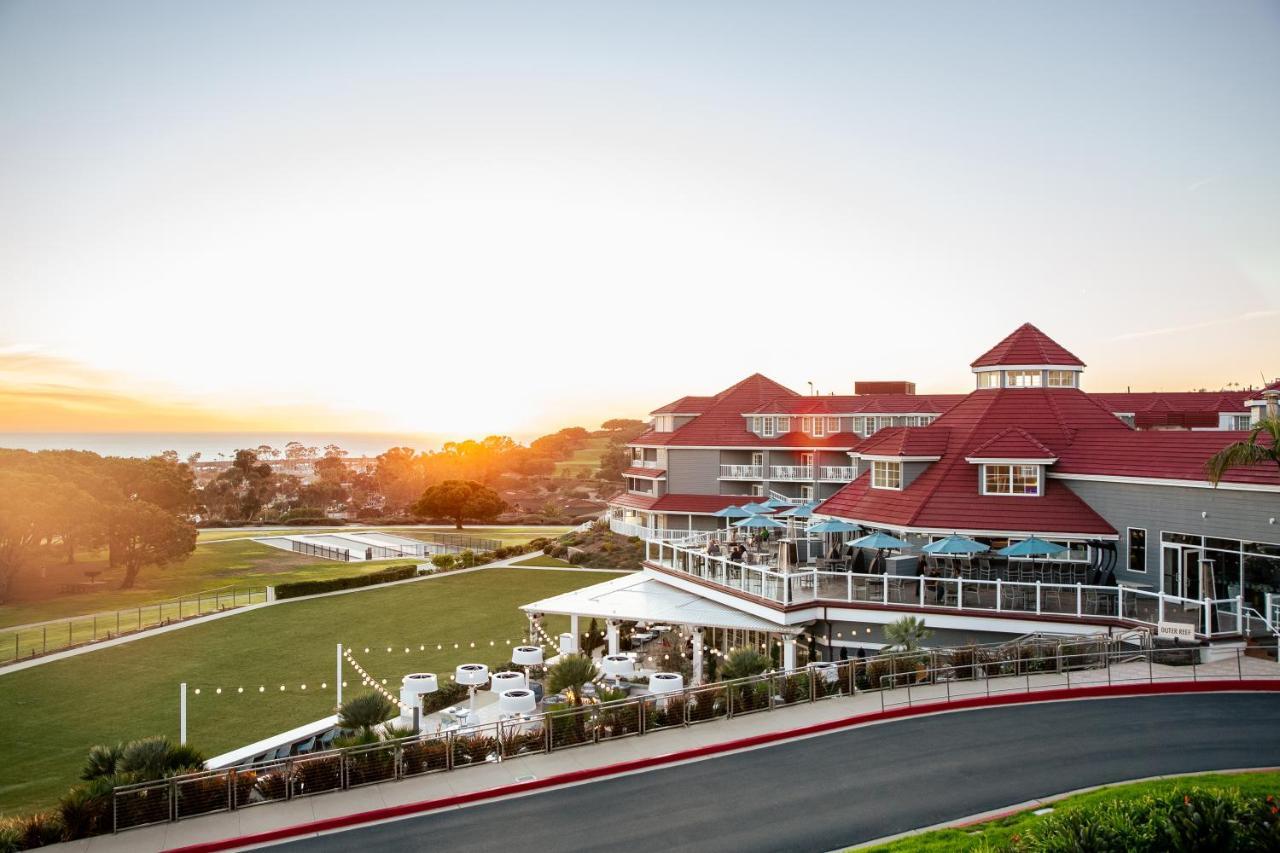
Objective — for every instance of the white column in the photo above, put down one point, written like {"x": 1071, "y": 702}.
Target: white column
{"x": 573, "y": 628}
{"x": 182, "y": 713}
{"x": 788, "y": 652}
{"x": 697, "y": 656}
{"x": 612, "y": 631}
{"x": 339, "y": 674}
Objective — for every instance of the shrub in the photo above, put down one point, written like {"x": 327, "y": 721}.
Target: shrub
{"x": 317, "y": 775}
{"x": 743, "y": 663}
{"x": 85, "y": 809}
{"x": 443, "y": 562}
{"x": 450, "y": 693}
{"x": 300, "y": 588}
{"x": 424, "y": 756}
{"x": 102, "y": 761}
{"x": 37, "y": 830}
{"x": 365, "y": 711}
{"x": 151, "y": 758}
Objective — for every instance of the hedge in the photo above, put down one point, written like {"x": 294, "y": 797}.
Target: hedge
{"x": 394, "y": 573}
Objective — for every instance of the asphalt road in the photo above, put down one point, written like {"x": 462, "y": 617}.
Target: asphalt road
{"x": 830, "y": 791}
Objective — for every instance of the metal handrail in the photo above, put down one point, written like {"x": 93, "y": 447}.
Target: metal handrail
{"x": 144, "y": 803}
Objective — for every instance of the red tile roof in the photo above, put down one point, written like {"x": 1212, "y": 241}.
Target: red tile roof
{"x": 651, "y": 473}
{"x": 1157, "y": 454}
{"x": 721, "y": 423}
{"x": 1012, "y": 443}
{"x": 946, "y": 495}
{"x": 918, "y": 442}
{"x": 876, "y": 404}
{"x": 1180, "y": 401}
{"x": 633, "y": 501}
{"x": 1027, "y": 345}
{"x": 685, "y": 406}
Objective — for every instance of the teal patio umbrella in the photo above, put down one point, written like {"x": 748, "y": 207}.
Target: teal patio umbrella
{"x": 956, "y": 544}
{"x": 774, "y": 503}
{"x": 881, "y": 541}
{"x": 833, "y": 525}
{"x": 1033, "y": 547}
{"x": 759, "y": 522}
{"x": 731, "y": 512}
{"x": 757, "y": 509}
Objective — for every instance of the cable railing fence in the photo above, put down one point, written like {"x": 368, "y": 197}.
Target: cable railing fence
{"x": 28, "y": 641}
{"x": 927, "y": 677}
{"x": 311, "y": 549}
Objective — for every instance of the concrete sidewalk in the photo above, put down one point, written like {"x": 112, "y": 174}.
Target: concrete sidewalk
{"x": 468, "y": 780}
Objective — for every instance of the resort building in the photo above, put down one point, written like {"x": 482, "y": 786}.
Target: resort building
{"x": 1111, "y": 488}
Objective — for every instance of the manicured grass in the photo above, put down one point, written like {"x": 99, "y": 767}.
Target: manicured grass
{"x": 994, "y": 834}
{"x": 586, "y": 458}
{"x": 53, "y": 713}
{"x": 222, "y": 558}
{"x": 544, "y": 560}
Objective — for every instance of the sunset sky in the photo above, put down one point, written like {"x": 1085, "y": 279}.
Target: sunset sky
{"x": 467, "y": 218}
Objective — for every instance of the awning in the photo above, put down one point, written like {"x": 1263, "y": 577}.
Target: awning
{"x": 641, "y": 597}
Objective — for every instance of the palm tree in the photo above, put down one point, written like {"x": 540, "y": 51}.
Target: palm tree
{"x": 361, "y": 713}
{"x": 570, "y": 673}
{"x": 744, "y": 663}
{"x": 1244, "y": 454}
{"x": 906, "y": 635}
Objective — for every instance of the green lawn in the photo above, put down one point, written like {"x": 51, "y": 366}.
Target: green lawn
{"x": 222, "y": 558}
{"x": 544, "y": 560}
{"x": 994, "y": 834}
{"x": 585, "y": 459}
{"x": 509, "y": 534}
{"x": 53, "y": 713}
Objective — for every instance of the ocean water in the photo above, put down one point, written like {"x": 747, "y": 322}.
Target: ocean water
{"x": 214, "y": 445}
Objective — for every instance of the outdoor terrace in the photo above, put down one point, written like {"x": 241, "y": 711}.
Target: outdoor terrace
{"x": 956, "y": 588}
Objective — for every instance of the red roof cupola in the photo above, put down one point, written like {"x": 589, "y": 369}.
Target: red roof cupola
{"x": 1027, "y": 345}
{"x": 1028, "y": 358}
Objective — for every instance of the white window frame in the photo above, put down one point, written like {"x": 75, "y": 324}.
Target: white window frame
{"x": 1010, "y": 377}
{"x": 819, "y": 428}
{"x": 860, "y": 425}
{"x": 1011, "y": 493}
{"x": 1128, "y": 549}
{"x": 757, "y": 490}
{"x": 757, "y": 459}
{"x": 989, "y": 379}
{"x": 1069, "y": 375}
{"x": 833, "y": 425}
{"x": 806, "y": 493}
{"x": 784, "y": 426}
{"x": 806, "y": 425}
{"x": 1238, "y": 420}
{"x": 880, "y": 469}
{"x": 767, "y": 427}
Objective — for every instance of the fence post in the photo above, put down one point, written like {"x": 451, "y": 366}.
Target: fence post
{"x": 1239, "y": 665}
{"x": 999, "y": 594}
{"x": 95, "y": 626}
{"x": 117, "y": 623}
{"x": 1037, "y": 597}
{"x": 1208, "y": 617}
{"x": 44, "y": 641}
{"x": 1079, "y": 602}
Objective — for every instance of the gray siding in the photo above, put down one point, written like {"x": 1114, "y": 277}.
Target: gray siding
{"x": 1225, "y": 513}
{"x": 693, "y": 472}
{"x": 911, "y": 470}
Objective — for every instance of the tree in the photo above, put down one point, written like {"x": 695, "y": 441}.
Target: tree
{"x": 148, "y": 536}
{"x": 266, "y": 451}
{"x": 570, "y": 673}
{"x": 744, "y": 663}
{"x": 906, "y": 634}
{"x": 33, "y": 505}
{"x": 460, "y": 500}
{"x": 1254, "y": 450}
{"x": 613, "y": 462}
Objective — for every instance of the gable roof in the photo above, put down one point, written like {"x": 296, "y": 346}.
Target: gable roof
{"x": 946, "y": 495}
{"x": 1180, "y": 401}
{"x": 721, "y": 422}
{"x": 1027, "y": 345}
{"x": 685, "y": 406}
{"x": 1011, "y": 443}
{"x": 908, "y": 442}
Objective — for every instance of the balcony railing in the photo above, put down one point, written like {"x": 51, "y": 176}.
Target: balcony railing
{"x": 742, "y": 472}
{"x": 626, "y": 528}
{"x": 790, "y": 472}
{"x": 645, "y": 463}
{"x": 759, "y": 578}
{"x": 839, "y": 473}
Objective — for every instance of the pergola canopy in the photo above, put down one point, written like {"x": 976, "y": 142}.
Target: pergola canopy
{"x": 641, "y": 597}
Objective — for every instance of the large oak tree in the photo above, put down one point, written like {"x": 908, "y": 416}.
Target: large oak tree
{"x": 460, "y": 500}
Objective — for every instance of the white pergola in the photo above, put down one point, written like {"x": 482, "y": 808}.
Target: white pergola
{"x": 643, "y": 598}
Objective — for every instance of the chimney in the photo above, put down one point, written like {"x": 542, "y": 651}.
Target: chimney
{"x": 886, "y": 387}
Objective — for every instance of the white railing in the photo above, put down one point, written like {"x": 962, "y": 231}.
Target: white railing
{"x": 645, "y": 463}
{"x": 791, "y": 499}
{"x": 790, "y": 472}
{"x": 840, "y": 473}
{"x": 626, "y": 528}
{"x": 742, "y": 472}
{"x": 760, "y": 579}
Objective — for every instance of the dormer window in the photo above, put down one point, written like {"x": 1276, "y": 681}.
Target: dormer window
{"x": 833, "y": 425}
{"x": 886, "y": 475}
{"x": 1001, "y": 479}
{"x": 819, "y": 428}
{"x": 1062, "y": 378}
{"x": 1023, "y": 378}
{"x": 989, "y": 379}
{"x": 664, "y": 423}
{"x": 767, "y": 427}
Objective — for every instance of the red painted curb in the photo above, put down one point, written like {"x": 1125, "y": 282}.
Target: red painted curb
{"x": 1056, "y": 694}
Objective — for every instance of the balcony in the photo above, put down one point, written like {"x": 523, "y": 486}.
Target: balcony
{"x": 836, "y": 473}
{"x": 645, "y": 463}
{"x": 741, "y": 472}
{"x": 761, "y": 578}
{"x": 790, "y": 472}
